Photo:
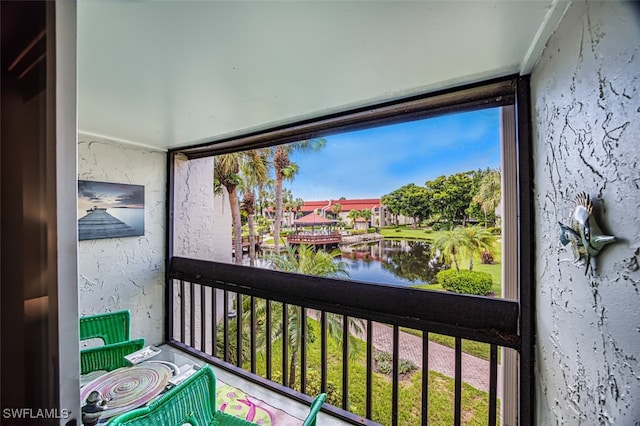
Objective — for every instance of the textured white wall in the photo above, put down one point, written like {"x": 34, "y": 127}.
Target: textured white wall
{"x": 126, "y": 273}
{"x": 202, "y": 220}
{"x": 586, "y": 104}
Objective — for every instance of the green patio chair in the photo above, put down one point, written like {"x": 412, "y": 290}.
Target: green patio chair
{"x": 108, "y": 357}
{"x": 114, "y": 329}
{"x": 193, "y": 402}
{"x": 111, "y": 327}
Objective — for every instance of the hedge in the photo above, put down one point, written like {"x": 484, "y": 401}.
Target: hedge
{"x": 467, "y": 282}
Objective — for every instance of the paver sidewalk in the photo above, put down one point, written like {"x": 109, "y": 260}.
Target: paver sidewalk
{"x": 475, "y": 371}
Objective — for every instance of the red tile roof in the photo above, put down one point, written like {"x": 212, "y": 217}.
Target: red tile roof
{"x": 347, "y": 205}
{"x": 313, "y": 219}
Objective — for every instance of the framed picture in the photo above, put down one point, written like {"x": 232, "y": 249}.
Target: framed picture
{"x": 109, "y": 210}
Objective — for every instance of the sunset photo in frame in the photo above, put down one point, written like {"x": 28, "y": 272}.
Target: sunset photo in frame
{"x": 109, "y": 210}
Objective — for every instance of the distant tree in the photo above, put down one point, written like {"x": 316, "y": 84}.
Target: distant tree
{"x": 226, "y": 173}
{"x": 479, "y": 240}
{"x": 451, "y": 244}
{"x": 366, "y": 214}
{"x": 353, "y": 215}
{"x": 284, "y": 169}
{"x": 255, "y": 174}
{"x": 410, "y": 200}
{"x": 451, "y": 196}
{"x": 489, "y": 193}
{"x": 336, "y": 208}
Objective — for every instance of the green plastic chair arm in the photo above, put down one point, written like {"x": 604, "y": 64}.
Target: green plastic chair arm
{"x": 108, "y": 357}
{"x": 111, "y": 327}
{"x": 316, "y": 405}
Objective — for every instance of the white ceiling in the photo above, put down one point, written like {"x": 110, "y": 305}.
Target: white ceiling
{"x": 172, "y": 73}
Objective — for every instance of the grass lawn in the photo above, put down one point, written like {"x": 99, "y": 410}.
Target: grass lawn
{"x": 441, "y": 388}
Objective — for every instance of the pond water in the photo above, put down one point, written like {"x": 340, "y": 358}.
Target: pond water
{"x": 394, "y": 262}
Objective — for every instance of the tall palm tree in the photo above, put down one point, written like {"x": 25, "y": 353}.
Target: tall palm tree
{"x": 284, "y": 169}
{"x": 489, "y": 192}
{"x": 353, "y": 215}
{"x": 479, "y": 239}
{"x": 366, "y": 214}
{"x": 451, "y": 244}
{"x": 255, "y": 173}
{"x": 306, "y": 260}
{"x": 336, "y": 208}
{"x": 226, "y": 173}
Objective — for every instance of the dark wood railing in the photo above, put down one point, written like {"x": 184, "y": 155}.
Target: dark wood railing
{"x": 203, "y": 320}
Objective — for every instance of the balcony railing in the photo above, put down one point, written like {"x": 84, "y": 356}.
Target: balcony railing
{"x": 212, "y": 306}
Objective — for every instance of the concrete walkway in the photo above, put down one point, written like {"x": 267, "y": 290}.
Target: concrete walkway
{"x": 475, "y": 371}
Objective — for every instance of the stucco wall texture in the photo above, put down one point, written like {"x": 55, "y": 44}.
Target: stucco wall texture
{"x": 586, "y": 120}
{"x": 126, "y": 273}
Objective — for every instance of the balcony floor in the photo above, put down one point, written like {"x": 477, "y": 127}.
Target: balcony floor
{"x": 276, "y": 400}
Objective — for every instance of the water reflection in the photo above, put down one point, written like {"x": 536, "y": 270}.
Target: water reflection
{"x": 395, "y": 262}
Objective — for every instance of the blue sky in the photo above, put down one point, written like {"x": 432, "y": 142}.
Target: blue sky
{"x": 373, "y": 162}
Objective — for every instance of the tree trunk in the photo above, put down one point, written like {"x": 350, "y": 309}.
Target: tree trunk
{"x": 293, "y": 365}
{"x": 455, "y": 260}
{"x": 252, "y": 240}
{"x": 236, "y": 222}
{"x": 278, "y": 215}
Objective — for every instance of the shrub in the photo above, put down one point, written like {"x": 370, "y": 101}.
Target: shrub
{"x": 334, "y": 396}
{"x": 439, "y": 226}
{"x": 495, "y": 230}
{"x": 372, "y": 230}
{"x": 487, "y": 258}
{"x": 406, "y": 366}
{"x": 467, "y": 282}
{"x": 382, "y": 356}
{"x": 384, "y": 367}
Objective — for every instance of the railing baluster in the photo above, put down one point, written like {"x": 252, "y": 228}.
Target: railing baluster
{"x": 425, "y": 378}
{"x": 323, "y": 351}
{"x": 369, "y": 386}
{"x": 268, "y": 338}
{"x": 182, "y": 312}
{"x": 203, "y": 320}
{"x": 225, "y": 322}
{"x": 192, "y": 315}
{"x": 214, "y": 321}
{"x": 252, "y": 337}
{"x": 303, "y": 352}
{"x": 239, "y": 312}
{"x": 285, "y": 343}
{"x": 457, "y": 410}
{"x": 395, "y": 381}
{"x": 345, "y": 362}
{"x": 493, "y": 384}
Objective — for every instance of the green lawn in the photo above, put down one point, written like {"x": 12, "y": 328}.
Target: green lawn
{"x": 441, "y": 388}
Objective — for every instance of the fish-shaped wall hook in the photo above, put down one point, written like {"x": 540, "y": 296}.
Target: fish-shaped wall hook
{"x": 584, "y": 234}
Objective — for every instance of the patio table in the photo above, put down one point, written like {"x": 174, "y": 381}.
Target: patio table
{"x": 129, "y": 387}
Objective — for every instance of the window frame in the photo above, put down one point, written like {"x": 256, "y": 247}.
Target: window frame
{"x": 508, "y": 91}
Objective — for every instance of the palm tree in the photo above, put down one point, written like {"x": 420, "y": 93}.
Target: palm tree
{"x": 226, "y": 173}
{"x": 489, "y": 192}
{"x": 478, "y": 240}
{"x": 366, "y": 215}
{"x": 255, "y": 173}
{"x": 284, "y": 169}
{"x": 353, "y": 215}
{"x": 451, "y": 244}
{"x": 306, "y": 260}
{"x": 336, "y": 208}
